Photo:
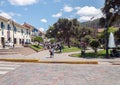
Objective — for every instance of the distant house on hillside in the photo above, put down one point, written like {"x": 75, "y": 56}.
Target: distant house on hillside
{"x": 100, "y": 30}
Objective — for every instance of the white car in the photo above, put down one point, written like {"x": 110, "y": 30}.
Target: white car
{"x": 9, "y": 44}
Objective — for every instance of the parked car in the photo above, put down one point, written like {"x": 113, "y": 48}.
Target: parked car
{"x": 9, "y": 44}
{"x": 27, "y": 44}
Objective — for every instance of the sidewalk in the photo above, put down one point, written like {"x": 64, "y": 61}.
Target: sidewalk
{"x": 44, "y": 57}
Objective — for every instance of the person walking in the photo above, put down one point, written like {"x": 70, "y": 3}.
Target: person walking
{"x": 60, "y": 48}
{"x": 51, "y": 52}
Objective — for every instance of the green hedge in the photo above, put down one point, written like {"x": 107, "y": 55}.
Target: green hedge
{"x": 36, "y": 47}
{"x": 101, "y": 54}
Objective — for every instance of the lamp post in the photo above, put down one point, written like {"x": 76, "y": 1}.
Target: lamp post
{"x": 12, "y": 22}
{"x": 108, "y": 20}
{"x": 111, "y": 11}
{"x": 106, "y": 33}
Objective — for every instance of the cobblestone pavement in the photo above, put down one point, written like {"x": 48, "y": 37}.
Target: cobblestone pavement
{"x": 6, "y": 67}
{"x": 62, "y": 74}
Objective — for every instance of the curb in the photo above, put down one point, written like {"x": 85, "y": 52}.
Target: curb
{"x": 19, "y": 60}
{"x": 43, "y": 61}
{"x": 115, "y": 63}
{"x": 71, "y": 62}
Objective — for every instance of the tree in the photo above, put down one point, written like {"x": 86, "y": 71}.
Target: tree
{"x": 52, "y": 40}
{"x": 111, "y": 5}
{"x": 117, "y": 36}
{"x": 50, "y": 32}
{"x": 87, "y": 39}
{"x": 38, "y": 39}
{"x": 65, "y": 29}
{"x": 95, "y": 44}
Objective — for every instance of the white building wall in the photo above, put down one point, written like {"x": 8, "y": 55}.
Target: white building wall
{"x": 18, "y": 34}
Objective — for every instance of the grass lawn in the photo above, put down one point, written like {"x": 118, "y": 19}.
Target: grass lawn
{"x": 36, "y": 47}
{"x": 72, "y": 49}
{"x": 101, "y": 54}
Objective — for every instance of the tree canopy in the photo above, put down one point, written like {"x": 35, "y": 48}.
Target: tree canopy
{"x": 64, "y": 29}
{"x": 111, "y": 10}
{"x": 38, "y": 39}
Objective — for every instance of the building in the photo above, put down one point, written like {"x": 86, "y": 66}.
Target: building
{"x": 13, "y": 32}
{"x": 34, "y": 31}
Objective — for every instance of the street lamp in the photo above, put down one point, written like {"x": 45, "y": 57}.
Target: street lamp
{"x": 106, "y": 33}
{"x": 12, "y": 22}
{"x": 108, "y": 20}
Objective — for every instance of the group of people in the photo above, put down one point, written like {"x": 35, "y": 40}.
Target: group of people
{"x": 52, "y": 48}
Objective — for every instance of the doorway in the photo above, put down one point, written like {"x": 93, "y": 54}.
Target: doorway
{"x": 3, "y": 41}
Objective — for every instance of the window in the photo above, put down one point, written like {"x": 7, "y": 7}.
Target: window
{"x": 20, "y": 41}
{"x": 15, "y": 41}
{"x": 8, "y": 27}
{"x": 2, "y": 25}
{"x": 22, "y": 31}
{"x": 15, "y": 29}
{"x": 2, "y": 32}
{"x": 27, "y": 31}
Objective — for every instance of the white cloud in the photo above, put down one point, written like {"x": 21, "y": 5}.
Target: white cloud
{"x": 41, "y": 29}
{"x": 6, "y": 15}
{"x": 43, "y": 20}
{"x": 84, "y": 18}
{"x": 9, "y": 15}
{"x": 22, "y": 2}
{"x": 77, "y": 8}
{"x": 68, "y": 9}
{"x": 86, "y": 13}
{"x": 57, "y": 15}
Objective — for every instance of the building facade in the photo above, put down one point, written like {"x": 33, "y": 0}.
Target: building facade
{"x": 11, "y": 31}
{"x": 34, "y": 31}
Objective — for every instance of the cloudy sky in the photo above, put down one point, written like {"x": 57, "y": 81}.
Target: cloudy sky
{"x": 43, "y": 13}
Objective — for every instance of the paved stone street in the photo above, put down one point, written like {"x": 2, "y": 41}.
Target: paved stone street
{"x": 62, "y": 74}
{"x": 103, "y": 73}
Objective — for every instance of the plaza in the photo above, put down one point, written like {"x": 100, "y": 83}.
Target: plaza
{"x": 59, "y": 42}
{"x": 36, "y": 73}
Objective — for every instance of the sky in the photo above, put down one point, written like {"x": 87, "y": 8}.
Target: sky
{"x": 44, "y": 13}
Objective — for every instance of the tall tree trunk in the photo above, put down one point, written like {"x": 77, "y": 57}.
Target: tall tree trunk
{"x": 95, "y": 52}
{"x": 68, "y": 42}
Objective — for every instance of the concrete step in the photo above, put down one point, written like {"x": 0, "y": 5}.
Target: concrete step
{"x": 7, "y": 53}
{"x": 17, "y": 50}
{"x": 6, "y": 50}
